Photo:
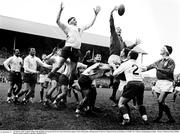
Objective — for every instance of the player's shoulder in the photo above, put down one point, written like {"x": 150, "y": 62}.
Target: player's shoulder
{"x": 27, "y": 57}
{"x": 171, "y": 59}
{"x": 20, "y": 58}
{"x": 37, "y": 58}
{"x": 128, "y": 62}
{"x": 11, "y": 57}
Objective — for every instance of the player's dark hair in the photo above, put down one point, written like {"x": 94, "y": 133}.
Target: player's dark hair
{"x": 133, "y": 55}
{"x": 126, "y": 51}
{"x": 14, "y": 50}
{"x": 169, "y": 49}
{"x": 29, "y": 49}
{"x": 70, "y": 19}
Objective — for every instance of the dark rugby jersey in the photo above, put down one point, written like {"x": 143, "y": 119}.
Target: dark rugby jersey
{"x": 165, "y": 69}
{"x": 116, "y": 42}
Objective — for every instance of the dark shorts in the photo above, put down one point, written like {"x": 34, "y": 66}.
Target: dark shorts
{"x": 116, "y": 80}
{"x": 15, "y": 77}
{"x": 71, "y": 53}
{"x": 85, "y": 82}
{"x": 63, "y": 80}
{"x": 56, "y": 76}
{"x": 30, "y": 78}
{"x": 134, "y": 89}
{"x": 121, "y": 76}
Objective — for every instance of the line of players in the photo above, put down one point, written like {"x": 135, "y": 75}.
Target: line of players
{"x": 122, "y": 63}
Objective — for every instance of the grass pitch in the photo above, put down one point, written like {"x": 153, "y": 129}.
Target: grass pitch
{"x": 36, "y": 117}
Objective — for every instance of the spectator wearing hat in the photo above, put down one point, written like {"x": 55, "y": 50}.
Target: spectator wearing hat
{"x": 164, "y": 85}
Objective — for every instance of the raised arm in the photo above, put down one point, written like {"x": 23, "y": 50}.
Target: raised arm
{"x": 96, "y": 11}
{"x": 51, "y": 54}
{"x": 58, "y": 21}
{"x": 86, "y": 57}
{"x": 43, "y": 64}
{"x": 138, "y": 41}
{"x": 112, "y": 26}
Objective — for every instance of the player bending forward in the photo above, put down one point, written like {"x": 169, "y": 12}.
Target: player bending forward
{"x": 133, "y": 89}
{"x": 85, "y": 84}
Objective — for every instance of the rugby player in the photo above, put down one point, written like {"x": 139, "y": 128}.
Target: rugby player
{"x": 133, "y": 89}
{"x": 164, "y": 84}
{"x": 14, "y": 65}
{"x": 73, "y": 42}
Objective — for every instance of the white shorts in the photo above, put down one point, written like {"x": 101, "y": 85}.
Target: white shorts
{"x": 163, "y": 86}
{"x": 121, "y": 85}
{"x": 177, "y": 89}
{"x": 114, "y": 59}
{"x": 42, "y": 78}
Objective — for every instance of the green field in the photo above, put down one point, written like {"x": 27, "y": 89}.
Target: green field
{"x": 36, "y": 117}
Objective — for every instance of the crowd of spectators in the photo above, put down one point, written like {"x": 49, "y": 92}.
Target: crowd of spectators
{"x": 4, "y": 54}
{"x": 3, "y": 76}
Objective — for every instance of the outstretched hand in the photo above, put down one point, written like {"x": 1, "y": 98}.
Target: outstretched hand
{"x": 88, "y": 52}
{"x": 61, "y": 6}
{"x": 97, "y": 10}
{"x": 138, "y": 41}
{"x": 114, "y": 9}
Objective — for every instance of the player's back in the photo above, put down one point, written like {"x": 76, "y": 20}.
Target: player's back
{"x": 133, "y": 71}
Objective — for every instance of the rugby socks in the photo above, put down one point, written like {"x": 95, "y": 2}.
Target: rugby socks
{"x": 142, "y": 110}
{"x": 93, "y": 94}
{"x": 128, "y": 110}
{"x": 174, "y": 97}
{"x": 160, "y": 114}
{"x": 124, "y": 112}
{"x": 48, "y": 96}
{"x": 83, "y": 103}
{"x": 161, "y": 107}
{"x": 41, "y": 93}
{"x": 22, "y": 93}
{"x": 134, "y": 101}
{"x": 168, "y": 113}
{"x": 143, "y": 113}
{"x": 76, "y": 95}
{"x": 111, "y": 81}
{"x": 9, "y": 95}
{"x": 115, "y": 87}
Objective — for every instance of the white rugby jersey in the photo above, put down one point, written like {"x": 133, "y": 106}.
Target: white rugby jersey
{"x": 96, "y": 70}
{"x": 14, "y": 62}
{"x": 73, "y": 36}
{"x": 31, "y": 62}
{"x": 131, "y": 69}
